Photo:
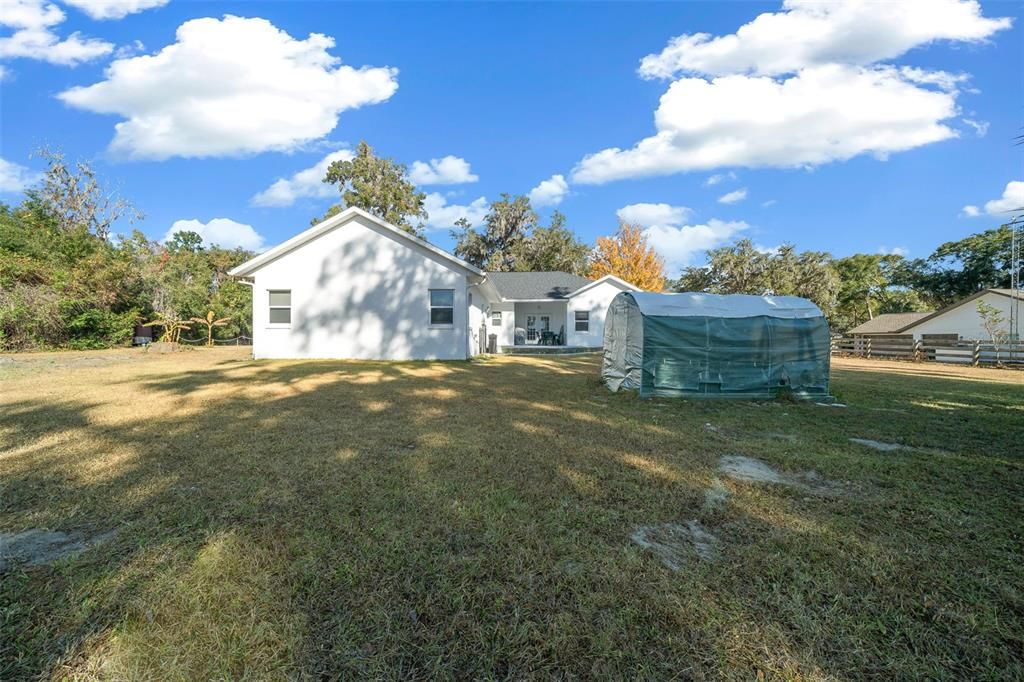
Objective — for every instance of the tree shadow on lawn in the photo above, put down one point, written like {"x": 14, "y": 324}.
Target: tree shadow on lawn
{"x": 449, "y": 519}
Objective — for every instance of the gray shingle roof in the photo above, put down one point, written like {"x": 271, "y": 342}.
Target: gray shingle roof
{"x": 524, "y": 286}
{"x": 888, "y": 323}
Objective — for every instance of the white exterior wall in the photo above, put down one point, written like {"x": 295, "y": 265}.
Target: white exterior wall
{"x": 596, "y": 301}
{"x": 479, "y": 317}
{"x": 506, "y": 332}
{"x": 964, "y": 319}
{"x": 359, "y": 292}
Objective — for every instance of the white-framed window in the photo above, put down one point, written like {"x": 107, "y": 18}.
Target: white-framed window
{"x": 442, "y": 307}
{"x": 582, "y": 319}
{"x": 495, "y": 318}
{"x": 280, "y": 302}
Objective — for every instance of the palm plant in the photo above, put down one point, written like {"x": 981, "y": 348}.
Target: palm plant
{"x": 171, "y": 324}
{"x": 210, "y": 323}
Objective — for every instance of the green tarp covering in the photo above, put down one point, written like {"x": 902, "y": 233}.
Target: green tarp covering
{"x": 709, "y": 346}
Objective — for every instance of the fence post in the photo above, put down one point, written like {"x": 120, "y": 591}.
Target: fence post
{"x": 977, "y": 353}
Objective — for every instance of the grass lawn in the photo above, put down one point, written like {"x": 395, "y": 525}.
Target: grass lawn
{"x": 474, "y": 520}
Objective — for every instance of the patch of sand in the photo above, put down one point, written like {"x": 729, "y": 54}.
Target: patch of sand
{"x": 716, "y": 495}
{"x": 879, "y": 445}
{"x": 750, "y": 470}
{"x": 38, "y": 547}
{"x": 676, "y": 544}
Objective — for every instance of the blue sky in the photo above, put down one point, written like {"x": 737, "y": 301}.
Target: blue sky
{"x": 856, "y": 128}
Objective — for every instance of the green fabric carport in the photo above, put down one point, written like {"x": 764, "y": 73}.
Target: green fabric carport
{"x": 710, "y": 346}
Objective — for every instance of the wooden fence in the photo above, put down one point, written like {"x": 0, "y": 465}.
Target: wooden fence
{"x": 928, "y": 349}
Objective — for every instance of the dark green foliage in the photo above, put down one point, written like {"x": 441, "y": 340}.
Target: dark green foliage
{"x": 552, "y": 248}
{"x": 960, "y": 268}
{"x": 379, "y": 186}
{"x": 512, "y": 240}
{"x": 69, "y": 288}
{"x": 509, "y": 222}
{"x": 744, "y": 269}
{"x": 868, "y": 287}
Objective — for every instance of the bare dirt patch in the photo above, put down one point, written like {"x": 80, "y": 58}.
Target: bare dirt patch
{"x": 750, "y": 470}
{"x": 716, "y": 496}
{"x": 879, "y": 445}
{"x": 39, "y": 547}
{"x": 677, "y": 544}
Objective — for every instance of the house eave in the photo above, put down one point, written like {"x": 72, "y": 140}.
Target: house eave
{"x": 950, "y": 307}
{"x": 269, "y": 256}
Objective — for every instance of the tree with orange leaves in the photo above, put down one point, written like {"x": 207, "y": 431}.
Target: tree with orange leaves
{"x": 628, "y": 256}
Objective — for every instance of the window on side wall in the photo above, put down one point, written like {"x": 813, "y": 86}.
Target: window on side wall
{"x": 582, "y": 320}
{"x": 442, "y": 307}
{"x": 496, "y": 318}
{"x": 280, "y": 306}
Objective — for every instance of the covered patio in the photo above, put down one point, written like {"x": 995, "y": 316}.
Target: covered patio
{"x": 540, "y": 323}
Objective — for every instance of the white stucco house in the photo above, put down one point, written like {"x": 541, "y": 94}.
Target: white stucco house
{"x": 960, "y": 319}
{"x": 355, "y": 286}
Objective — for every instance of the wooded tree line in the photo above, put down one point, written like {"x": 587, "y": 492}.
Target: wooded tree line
{"x": 854, "y": 289}
{"x": 65, "y": 282}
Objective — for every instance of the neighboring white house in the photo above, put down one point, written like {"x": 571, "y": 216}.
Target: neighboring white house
{"x": 355, "y": 286}
{"x": 960, "y": 319}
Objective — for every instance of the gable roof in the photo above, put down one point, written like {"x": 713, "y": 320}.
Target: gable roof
{"x": 888, "y": 323}
{"x": 533, "y": 286}
{"x": 324, "y": 226}
{"x": 895, "y": 323}
{"x": 607, "y": 278}
{"x": 1009, "y": 293}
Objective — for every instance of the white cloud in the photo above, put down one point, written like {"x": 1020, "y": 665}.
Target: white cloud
{"x": 30, "y": 14}
{"x": 799, "y": 87}
{"x": 894, "y": 251}
{"x": 675, "y": 242}
{"x": 307, "y": 183}
{"x": 450, "y": 170}
{"x": 734, "y": 196}
{"x": 1012, "y": 200}
{"x": 113, "y": 9}
{"x": 650, "y": 215}
{"x": 823, "y": 114}
{"x": 811, "y": 32}
{"x": 550, "y": 192}
{"x": 136, "y": 47}
{"x": 33, "y": 37}
{"x": 240, "y": 86}
{"x": 769, "y": 203}
{"x": 719, "y": 177}
{"x": 679, "y": 245}
{"x": 223, "y": 232}
{"x": 16, "y": 178}
{"x": 443, "y": 215}
{"x": 943, "y": 80}
{"x": 980, "y": 127}
{"x": 970, "y": 211}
